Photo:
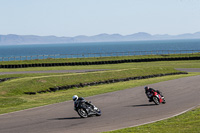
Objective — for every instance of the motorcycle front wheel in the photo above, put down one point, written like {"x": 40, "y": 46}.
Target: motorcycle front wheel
{"x": 82, "y": 113}
{"x": 156, "y": 100}
{"x": 98, "y": 112}
{"x": 164, "y": 101}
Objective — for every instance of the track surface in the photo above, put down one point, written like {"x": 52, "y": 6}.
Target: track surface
{"x": 189, "y": 69}
{"x": 53, "y": 71}
{"x": 119, "y": 109}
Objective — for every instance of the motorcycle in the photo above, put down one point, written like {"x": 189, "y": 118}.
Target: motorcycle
{"x": 156, "y": 98}
{"x": 85, "y": 110}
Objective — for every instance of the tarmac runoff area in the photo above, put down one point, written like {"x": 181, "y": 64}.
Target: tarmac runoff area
{"x": 54, "y": 71}
{"x": 82, "y": 71}
{"x": 120, "y": 109}
{"x": 189, "y": 69}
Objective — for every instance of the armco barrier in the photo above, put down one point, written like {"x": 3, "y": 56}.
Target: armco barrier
{"x": 97, "y": 62}
{"x": 102, "y": 82}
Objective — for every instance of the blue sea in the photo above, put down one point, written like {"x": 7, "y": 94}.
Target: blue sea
{"x": 93, "y": 49}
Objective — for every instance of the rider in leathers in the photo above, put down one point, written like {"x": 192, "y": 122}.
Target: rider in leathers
{"x": 151, "y": 90}
{"x": 79, "y": 100}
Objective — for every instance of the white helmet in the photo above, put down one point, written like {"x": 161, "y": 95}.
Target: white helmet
{"x": 75, "y": 97}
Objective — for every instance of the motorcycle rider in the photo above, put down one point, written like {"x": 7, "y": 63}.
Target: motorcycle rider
{"x": 151, "y": 90}
{"x": 79, "y": 100}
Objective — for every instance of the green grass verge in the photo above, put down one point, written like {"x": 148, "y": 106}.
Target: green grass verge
{"x": 188, "y": 122}
{"x": 39, "y": 83}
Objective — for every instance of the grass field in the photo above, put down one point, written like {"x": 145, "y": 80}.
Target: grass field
{"x": 43, "y": 82}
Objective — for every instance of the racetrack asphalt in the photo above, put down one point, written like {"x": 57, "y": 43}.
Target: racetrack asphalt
{"x": 54, "y": 71}
{"x": 120, "y": 109}
{"x": 189, "y": 69}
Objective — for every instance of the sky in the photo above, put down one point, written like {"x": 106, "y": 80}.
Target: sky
{"x": 71, "y": 18}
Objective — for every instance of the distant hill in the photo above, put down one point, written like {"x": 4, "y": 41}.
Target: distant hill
{"x": 13, "y": 39}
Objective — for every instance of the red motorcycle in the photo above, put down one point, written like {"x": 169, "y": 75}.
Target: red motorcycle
{"x": 156, "y": 97}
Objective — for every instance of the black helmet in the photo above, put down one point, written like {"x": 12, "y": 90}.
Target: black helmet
{"x": 146, "y": 88}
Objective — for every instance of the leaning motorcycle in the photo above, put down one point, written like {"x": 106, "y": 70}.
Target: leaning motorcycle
{"x": 156, "y": 98}
{"x": 85, "y": 110}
